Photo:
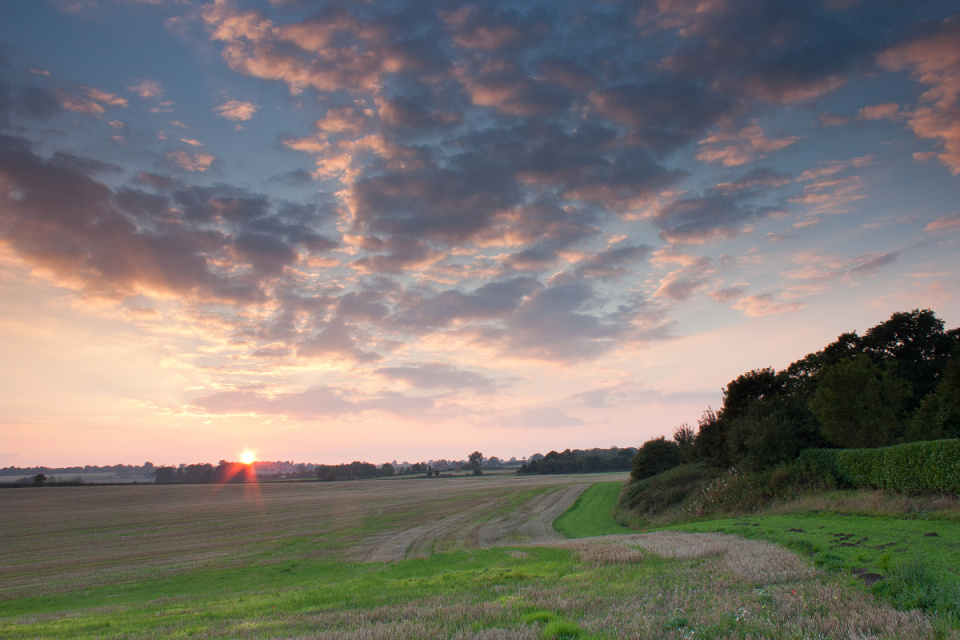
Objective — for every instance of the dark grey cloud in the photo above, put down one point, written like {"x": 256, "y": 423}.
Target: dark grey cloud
{"x": 786, "y": 51}
{"x": 117, "y": 242}
{"x": 700, "y": 220}
{"x": 754, "y": 179}
{"x": 664, "y": 114}
{"x": 557, "y": 323}
{"x": 448, "y": 204}
{"x": 401, "y": 253}
{"x": 423, "y": 311}
{"x": 613, "y": 261}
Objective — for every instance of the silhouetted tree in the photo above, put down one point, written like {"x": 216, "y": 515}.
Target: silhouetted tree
{"x": 655, "y": 456}
{"x": 475, "y": 459}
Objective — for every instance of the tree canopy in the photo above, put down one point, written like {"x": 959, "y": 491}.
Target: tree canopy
{"x": 898, "y": 382}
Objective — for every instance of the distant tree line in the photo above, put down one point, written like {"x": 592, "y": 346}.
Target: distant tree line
{"x": 580, "y": 461}
{"x": 899, "y": 382}
{"x": 352, "y": 471}
{"x": 123, "y": 471}
{"x": 204, "y": 472}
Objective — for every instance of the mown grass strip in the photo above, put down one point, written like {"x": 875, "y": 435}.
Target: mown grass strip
{"x": 592, "y": 513}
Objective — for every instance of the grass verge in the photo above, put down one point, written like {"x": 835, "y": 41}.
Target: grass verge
{"x": 592, "y": 513}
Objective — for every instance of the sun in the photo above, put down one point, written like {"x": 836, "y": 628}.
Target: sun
{"x": 248, "y": 457}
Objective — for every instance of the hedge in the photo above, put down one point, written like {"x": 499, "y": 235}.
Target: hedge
{"x": 915, "y": 467}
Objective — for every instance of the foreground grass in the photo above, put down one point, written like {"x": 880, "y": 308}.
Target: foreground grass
{"x": 913, "y": 563}
{"x": 287, "y": 563}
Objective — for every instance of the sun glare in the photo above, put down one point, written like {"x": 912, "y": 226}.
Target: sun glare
{"x": 248, "y": 457}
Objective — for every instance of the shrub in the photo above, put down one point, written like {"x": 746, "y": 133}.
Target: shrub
{"x": 655, "y": 456}
{"x": 915, "y": 467}
{"x": 656, "y": 495}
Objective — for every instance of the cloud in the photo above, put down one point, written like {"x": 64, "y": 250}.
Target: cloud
{"x": 747, "y": 145}
{"x": 147, "y": 89}
{"x": 663, "y": 114}
{"x": 236, "y": 110}
{"x": 191, "y": 162}
{"x": 764, "y": 304}
{"x": 704, "y": 219}
{"x": 818, "y": 268}
{"x": 885, "y": 111}
{"x": 106, "y": 98}
{"x": 951, "y": 221}
{"x": 78, "y": 104}
{"x": 779, "y": 52}
{"x": 728, "y": 294}
{"x": 753, "y": 179}
{"x": 678, "y": 285}
{"x": 833, "y": 120}
{"x": 540, "y": 418}
{"x": 934, "y": 58}
{"x": 335, "y": 341}
{"x": 437, "y": 375}
{"x": 449, "y": 204}
{"x": 198, "y": 244}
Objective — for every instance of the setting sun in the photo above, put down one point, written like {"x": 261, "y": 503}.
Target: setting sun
{"x": 248, "y": 457}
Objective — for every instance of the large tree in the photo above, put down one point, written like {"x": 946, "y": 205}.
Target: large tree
{"x": 860, "y": 404}
{"x": 475, "y": 459}
{"x": 655, "y": 456}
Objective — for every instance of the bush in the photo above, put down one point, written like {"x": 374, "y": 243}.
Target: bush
{"x": 915, "y": 467}
{"x": 656, "y": 495}
{"x": 655, "y": 456}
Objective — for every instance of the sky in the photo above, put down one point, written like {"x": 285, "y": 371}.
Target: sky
{"x": 402, "y": 230}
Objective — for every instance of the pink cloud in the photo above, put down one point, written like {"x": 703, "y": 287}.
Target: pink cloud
{"x": 747, "y": 145}
{"x": 236, "y": 110}
{"x": 946, "y": 222}
{"x": 147, "y": 89}
{"x": 107, "y": 98}
{"x": 886, "y": 111}
{"x": 935, "y": 62}
{"x": 191, "y": 162}
{"x": 79, "y": 105}
{"x": 759, "y": 305}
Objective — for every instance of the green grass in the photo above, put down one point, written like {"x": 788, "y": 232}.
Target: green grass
{"x": 918, "y": 560}
{"x": 592, "y": 513}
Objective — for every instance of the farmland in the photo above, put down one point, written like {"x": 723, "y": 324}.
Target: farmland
{"x": 438, "y": 558}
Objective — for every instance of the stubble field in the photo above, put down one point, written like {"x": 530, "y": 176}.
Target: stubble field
{"x": 425, "y": 558}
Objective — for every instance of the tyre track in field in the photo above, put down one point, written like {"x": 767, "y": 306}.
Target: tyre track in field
{"x": 530, "y": 523}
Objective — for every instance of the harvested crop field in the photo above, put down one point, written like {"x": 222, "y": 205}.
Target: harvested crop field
{"x": 426, "y": 558}
{"x": 64, "y": 538}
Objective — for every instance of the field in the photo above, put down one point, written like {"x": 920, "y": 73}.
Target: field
{"x": 470, "y": 557}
